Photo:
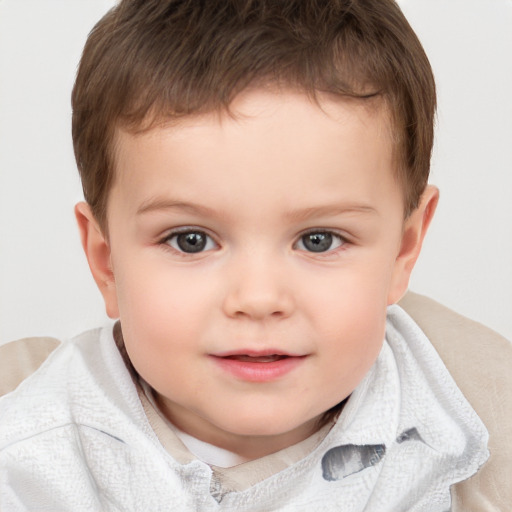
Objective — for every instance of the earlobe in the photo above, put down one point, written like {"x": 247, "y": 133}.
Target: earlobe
{"x": 415, "y": 229}
{"x": 97, "y": 251}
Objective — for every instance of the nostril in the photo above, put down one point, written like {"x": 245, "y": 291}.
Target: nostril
{"x": 257, "y": 299}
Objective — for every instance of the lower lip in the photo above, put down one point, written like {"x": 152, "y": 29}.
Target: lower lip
{"x": 258, "y": 372}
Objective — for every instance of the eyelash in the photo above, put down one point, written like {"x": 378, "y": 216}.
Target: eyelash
{"x": 342, "y": 241}
{"x": 165, "y": 241}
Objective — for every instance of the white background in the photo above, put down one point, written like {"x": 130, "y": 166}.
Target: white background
{"x": 45, "y": 286}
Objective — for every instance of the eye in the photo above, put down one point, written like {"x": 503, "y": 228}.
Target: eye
{"x": 320, "y": 241}
{"x": 191, "y": 241}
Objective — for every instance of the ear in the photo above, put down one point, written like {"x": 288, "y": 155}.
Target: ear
{"x": 415, "y": 229}
{"x": 97, "y": 250}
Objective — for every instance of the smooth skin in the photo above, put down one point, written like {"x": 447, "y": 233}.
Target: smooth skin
{"x": 278, "y": 230}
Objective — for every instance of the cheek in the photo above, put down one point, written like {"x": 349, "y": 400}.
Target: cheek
{"x": 151, "y": 288}
{"x": 160, "y": 312}
{"x": 359, "y": 324}
{"x": 351, "y": 319}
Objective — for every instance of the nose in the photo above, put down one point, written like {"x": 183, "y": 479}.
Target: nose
{"x": 259, "y": 289}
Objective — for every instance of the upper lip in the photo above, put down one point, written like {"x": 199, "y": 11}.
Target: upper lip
{"x": 257, "y": 353}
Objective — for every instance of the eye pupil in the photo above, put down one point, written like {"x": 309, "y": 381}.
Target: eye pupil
{"x": 317, "y": 242}
{"x": 191, "y": 242}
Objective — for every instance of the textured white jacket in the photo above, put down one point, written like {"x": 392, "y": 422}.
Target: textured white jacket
{"x": 74, "y": 437}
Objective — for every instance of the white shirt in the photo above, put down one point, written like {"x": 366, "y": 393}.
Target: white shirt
{"x": 75, "y": 436}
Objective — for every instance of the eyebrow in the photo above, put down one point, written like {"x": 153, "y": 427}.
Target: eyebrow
{"x": 156, "y": 204}
{"x": 329, "y": 210}
{"x": 298, "y": 215}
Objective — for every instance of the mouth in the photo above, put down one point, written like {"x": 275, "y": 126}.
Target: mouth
{"x": 258, "y": 366}
{"x": 257, "y": 359}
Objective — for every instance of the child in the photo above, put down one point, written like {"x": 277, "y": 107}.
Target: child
{"x": 255, "y": 176}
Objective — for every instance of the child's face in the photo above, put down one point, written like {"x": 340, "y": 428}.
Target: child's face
{"x": 253, "y": 260}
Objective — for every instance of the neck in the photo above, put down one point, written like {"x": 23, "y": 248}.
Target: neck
{"x": 250, "y": 446}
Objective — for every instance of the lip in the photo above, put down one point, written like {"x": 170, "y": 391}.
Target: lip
{"x": 256, "y": 353}
{"x": 268, "y": 365}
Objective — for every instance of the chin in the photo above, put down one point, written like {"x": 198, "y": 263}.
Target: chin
{"x": 268, "y": 427}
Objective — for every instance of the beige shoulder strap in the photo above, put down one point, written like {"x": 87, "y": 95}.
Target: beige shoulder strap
{"x": 480, "y": 361}
{"x": 21, "y": 358}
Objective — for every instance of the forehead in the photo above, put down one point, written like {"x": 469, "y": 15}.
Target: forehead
{"x": 282, "y": 138}
{"x": 269, "y": 101}
{"x": 267, "y": 105}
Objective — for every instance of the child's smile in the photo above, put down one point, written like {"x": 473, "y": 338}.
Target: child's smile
{"x": 263, "y": 365}
{"x": 253, "y": 259}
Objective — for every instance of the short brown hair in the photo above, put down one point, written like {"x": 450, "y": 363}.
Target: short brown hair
{"x": 151, "y": 60}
